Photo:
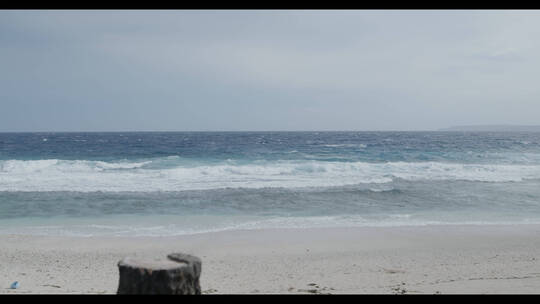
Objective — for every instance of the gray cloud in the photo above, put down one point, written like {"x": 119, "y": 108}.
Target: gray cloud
{"x": 267, "y": 70}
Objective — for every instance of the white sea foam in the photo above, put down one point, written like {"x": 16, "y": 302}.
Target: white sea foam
{"x": 87, "y": 176}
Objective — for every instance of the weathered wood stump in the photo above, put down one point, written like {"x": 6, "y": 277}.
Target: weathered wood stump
{"x": 178, "y": 274}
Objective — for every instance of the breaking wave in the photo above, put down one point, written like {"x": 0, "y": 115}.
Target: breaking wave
{"x": 166, "y": 174}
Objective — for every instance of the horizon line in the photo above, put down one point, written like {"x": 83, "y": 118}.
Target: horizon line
{"x": 448, "y": 129}
{"x": 149, "y": 131}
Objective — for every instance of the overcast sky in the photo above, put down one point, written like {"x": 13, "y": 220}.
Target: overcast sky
{"x": 267, "y": 70}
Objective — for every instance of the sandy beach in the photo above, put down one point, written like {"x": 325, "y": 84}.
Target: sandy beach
{"x": 428, "y": 259}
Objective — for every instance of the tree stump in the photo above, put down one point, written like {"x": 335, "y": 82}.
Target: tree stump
{"x": 178, "y": 274}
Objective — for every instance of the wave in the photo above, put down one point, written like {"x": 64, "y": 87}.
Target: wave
{"x": 33, "y": 166}
{"x": 164, "y": 226}
{"x": 166, "y": 174}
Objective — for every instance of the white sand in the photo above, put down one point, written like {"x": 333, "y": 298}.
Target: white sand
{"x": 446, "y": 259}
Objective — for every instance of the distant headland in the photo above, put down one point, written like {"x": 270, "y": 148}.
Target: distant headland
{"x": 494, "y": 128}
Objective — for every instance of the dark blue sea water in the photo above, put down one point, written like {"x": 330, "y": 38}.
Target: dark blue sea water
{"x": 169, "y": 183}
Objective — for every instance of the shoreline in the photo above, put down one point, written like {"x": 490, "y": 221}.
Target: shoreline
{"x": 408, "y": 259}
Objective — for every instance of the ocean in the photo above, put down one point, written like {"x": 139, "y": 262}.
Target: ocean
{"x": 175, "y": 183}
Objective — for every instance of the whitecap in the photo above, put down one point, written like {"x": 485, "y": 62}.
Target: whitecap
{"x": 88, "y": 176}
